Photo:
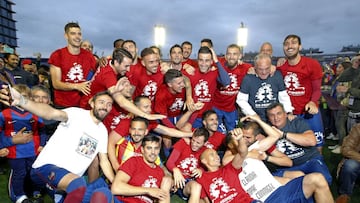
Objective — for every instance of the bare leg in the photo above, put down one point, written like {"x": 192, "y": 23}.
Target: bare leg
{"x": 315, "y": 184}
{"x": 93, "y": 170}
{"x": 193, "y": 190}
{"x": 166, "y": 184}
{"x": 293, "y": 174}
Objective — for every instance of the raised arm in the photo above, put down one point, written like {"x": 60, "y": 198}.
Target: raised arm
{"x": 272, "y": 134}
{"x": 43, "y": 110}
{"x": 242, "y": 150}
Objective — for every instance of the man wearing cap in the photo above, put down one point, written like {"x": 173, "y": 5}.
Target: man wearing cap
{"x": 29, "y": 66}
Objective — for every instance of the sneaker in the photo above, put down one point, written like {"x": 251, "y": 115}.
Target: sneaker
{"x": 343, "y": 199}
{"x": 337, "y": 150}
{"x": 26, "y": 201}
{"x": 37, "y": 199}
{"x": 333, "y": 147}
{"x": 332, "y": 137}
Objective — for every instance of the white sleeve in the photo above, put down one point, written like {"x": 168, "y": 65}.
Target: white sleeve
{"x": 284, "y": 99}
{"x": 242, "y": 100}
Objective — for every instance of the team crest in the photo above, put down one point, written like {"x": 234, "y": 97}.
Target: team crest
{"x": 75, "y": 73}
{"x": 293, "y": 86}
{"x": 219, "y": 189}
{"x": 202, "y": 91}
{"x": 150, "y": 89}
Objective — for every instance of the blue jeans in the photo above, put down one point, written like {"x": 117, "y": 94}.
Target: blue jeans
{"x": 316, "y": 164}
{"x": 227, "y": 120}
{"x": 350, "y": 171}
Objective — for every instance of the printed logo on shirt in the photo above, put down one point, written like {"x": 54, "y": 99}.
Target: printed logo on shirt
{"x": 293, "y": 85}
{"x": 151, "y": 182}
{"x": 11, "y": 122}
{"x": 264, "y": 96}
{"x": 150, "y": 89}
{"x": 117, "y": 119}
{"x": 87, "y": 146}
{"x": 220, "y": 191}
{"x": 75, "y": 74}
{"x": 232, "y": 88}
{"x": 288, "y": 148}
{"x": 188, "y": 165}
{"x": 202, "y": 91}
{"x": 177, "y": 105}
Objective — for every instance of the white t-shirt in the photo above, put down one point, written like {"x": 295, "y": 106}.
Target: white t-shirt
{"x": 75, "y": 143}
{"x": 256, "y": 179}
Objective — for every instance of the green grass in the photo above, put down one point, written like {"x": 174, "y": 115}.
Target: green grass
{"x": 331, "y": 160}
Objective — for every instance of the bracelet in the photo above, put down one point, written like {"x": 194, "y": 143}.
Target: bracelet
{"x": 284, "y": 135}
{"x": 267, "y": 158}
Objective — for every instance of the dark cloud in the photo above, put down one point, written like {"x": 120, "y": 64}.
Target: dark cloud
{"x": 320, "y": 24}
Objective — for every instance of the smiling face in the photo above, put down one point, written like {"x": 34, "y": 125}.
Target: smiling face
{"x": 187, "y": 49}
{"x": 74, "y": 36}
{"x": 151, "y": 63}
{"x": 210, "y": 159}
{"x": 130, "y": 47}
{"x": 150, "y": 151}
{"x": 197, "y": 142}
{"x": 123, "y": 67}
{"x": 291, "y": 47}
{"x": 101, "y": 106}
{"x": 137, "y": 131}
{"x": 205, "y": 61}
{"x": 277, "y": 117}
{"x": 211, "y": 122}
{"x": 177, "y": 85}
{"x": 232, "y": 56}
{"x": 176, "y": 55}
{"x": 263, "y": 68}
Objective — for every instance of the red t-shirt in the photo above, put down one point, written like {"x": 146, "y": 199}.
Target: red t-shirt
{"x": 141, "y": 175}
{"x": 225, "y": 97}
{"x": 145, "y": 84}
{"x": 167, "y": 103}
{"x": 203, "y": 88}
{"x": 223, "y": 186}
{"x": 215, "y": 140}
{"x": 298, "y": 81}
{"x": 188, "y": 159}
{"x": 74, "y": 69}
{"x": 103, "y": 79}
{"x": 191, "y": 62}
{"x": 123, "y": 126}
{"x": 114, "y": 117}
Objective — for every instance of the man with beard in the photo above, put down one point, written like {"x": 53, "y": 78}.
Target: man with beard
{"x": 302, "y": 78}
{"x": 130, "y": 145}
{"x": 106, "y": 79}
{"x": 187, "y": 50}
{"x": 130, "y": 46}
{"x": 225, "y": 96}
{"x": 61, "y": 163}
